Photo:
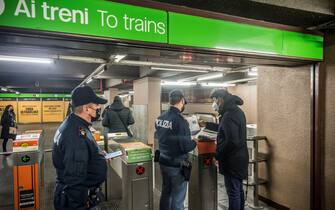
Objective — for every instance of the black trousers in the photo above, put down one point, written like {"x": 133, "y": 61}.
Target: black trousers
{"x": 4, "y": 145}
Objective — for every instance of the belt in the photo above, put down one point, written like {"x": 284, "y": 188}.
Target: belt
{"x": 170, "y": 162}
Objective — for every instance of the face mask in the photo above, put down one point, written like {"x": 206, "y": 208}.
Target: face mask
{"x": 215, "y": 106}
{"x": 97, "y": 115}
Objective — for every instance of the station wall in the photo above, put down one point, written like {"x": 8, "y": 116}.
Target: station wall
{"x": 284, "y": 108}
{"x": 329, "y": 146}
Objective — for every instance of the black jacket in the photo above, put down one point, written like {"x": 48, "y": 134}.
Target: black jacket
{"x": 7, "y": 121}
{"x": 174, "y": 135}
{"x": 113, "y": 115}
{"x": 79, "y": 163}
{"x": 232, "y": 151}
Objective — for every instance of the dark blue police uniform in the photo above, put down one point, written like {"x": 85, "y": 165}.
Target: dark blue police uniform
{"x": 174, "y": 139}
{"x": 79, "y": 163}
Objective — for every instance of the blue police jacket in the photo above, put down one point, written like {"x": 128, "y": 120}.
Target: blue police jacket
{"x": 174, "y": 135}
{"x": 79, "y": 162}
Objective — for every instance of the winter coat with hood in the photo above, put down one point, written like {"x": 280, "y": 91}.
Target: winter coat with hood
{"x": 116, "y": 115}
{"x": 232, "y": 151}
{"x": 7, "y": 121}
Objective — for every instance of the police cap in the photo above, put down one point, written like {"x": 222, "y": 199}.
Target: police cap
{"x": 175, "y": 96}
{"x": 85, "y": 95}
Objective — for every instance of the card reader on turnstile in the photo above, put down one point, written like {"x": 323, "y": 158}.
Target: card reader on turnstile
{"x": 27, "y": 158}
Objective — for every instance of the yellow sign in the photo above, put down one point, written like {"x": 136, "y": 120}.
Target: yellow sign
{"x": 53, "y": 111}
{"x": 3, "y": 105}
{"x": 66, "y": 107}
{"x": 30, "y": 111}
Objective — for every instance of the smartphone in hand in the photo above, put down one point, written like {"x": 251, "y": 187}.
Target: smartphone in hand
{"x": 113, "y": 155}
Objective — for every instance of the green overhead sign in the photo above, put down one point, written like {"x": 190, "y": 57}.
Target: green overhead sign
{"x": 219, "y": 34}
{"x": 86, "y": 17}
{"x": 35, "y": 95}
{"x": 102, "y": 18}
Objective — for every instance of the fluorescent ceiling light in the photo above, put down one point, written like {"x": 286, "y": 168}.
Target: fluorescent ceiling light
{"x": 101, "y": 72}
{"x": 117, "y": 58}
{"x": 211, "y": 76}
{"x": 251, "y": 73}
{"x": 25, "y": 59}
{"x": 212, "y": 84}
{"x": 179, "y": 70}
{"x": 89, "y": 80}
{"x": 170, "y": 83}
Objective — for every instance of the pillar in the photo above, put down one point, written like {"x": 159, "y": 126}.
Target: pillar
{"x": 147, "y": 103}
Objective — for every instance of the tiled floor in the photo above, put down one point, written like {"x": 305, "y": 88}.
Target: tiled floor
{"x": 6, "y": 179}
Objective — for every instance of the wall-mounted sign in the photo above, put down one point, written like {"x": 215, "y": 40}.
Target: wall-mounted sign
{"x": 53, "y": 111}
{"x": 30, "y": 111}
{"x": 87, "y": 17}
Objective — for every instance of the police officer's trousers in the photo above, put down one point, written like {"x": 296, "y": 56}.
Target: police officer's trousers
{"x": 173, "y": 189}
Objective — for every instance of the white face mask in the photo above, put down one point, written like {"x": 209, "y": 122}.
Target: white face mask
{"x": 215, "y": 106}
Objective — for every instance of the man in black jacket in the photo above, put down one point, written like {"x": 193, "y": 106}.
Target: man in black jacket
{"x": 232, "y": 151}
{"x": 117, "y": 117}
{"x": 79, "y": 162}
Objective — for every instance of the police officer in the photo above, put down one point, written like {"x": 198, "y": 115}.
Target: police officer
{"x": 174, "y": 139}
{"x": 80, "y": 164}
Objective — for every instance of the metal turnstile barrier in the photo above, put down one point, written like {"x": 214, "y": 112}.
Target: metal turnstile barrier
{"x": 130, "y": 177}
{"x": 202, "y": 192}
{"x": 28, "y": 170}
{"x": 137, "y": 186}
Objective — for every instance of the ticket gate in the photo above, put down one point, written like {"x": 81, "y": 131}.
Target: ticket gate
{"x": 203, "y": 183}
{"x": 27, "y": 171}
{"x": 130, "y": 177}
{"x": 137, "y": 186}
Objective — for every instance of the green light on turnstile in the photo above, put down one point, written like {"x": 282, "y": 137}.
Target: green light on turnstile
{"x": 25, "y": 159}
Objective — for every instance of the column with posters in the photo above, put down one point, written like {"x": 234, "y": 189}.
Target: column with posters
{"x": 30, "y": 110}
{"x": 53, "y": 110}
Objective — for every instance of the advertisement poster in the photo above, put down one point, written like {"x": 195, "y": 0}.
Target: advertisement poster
{"x": 53, "y": 111}
{"x": 30, "y": 111}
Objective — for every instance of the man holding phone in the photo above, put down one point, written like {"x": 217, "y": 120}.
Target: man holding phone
{"x": 80, "y": 164}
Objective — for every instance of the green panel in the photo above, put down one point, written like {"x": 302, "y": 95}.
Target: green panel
{"x": 138, "y": 155}
{"x": 210, "y": 33}
{"x": 34, "y": 95}
{"x": 302, "y": 45}
{"x": 87, "y": 17}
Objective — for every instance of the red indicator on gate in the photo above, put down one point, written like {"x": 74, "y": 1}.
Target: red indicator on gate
{"x": 140, "y": 170}
{"x": 208, "y": 161}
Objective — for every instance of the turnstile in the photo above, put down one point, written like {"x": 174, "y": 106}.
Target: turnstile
{"x": 202, "y": 192}
{"x": 27, "y": 170}
{"x": 131, "y": 180}
{"x": 26, "y": 181}
{"x": 137, "y": 186}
